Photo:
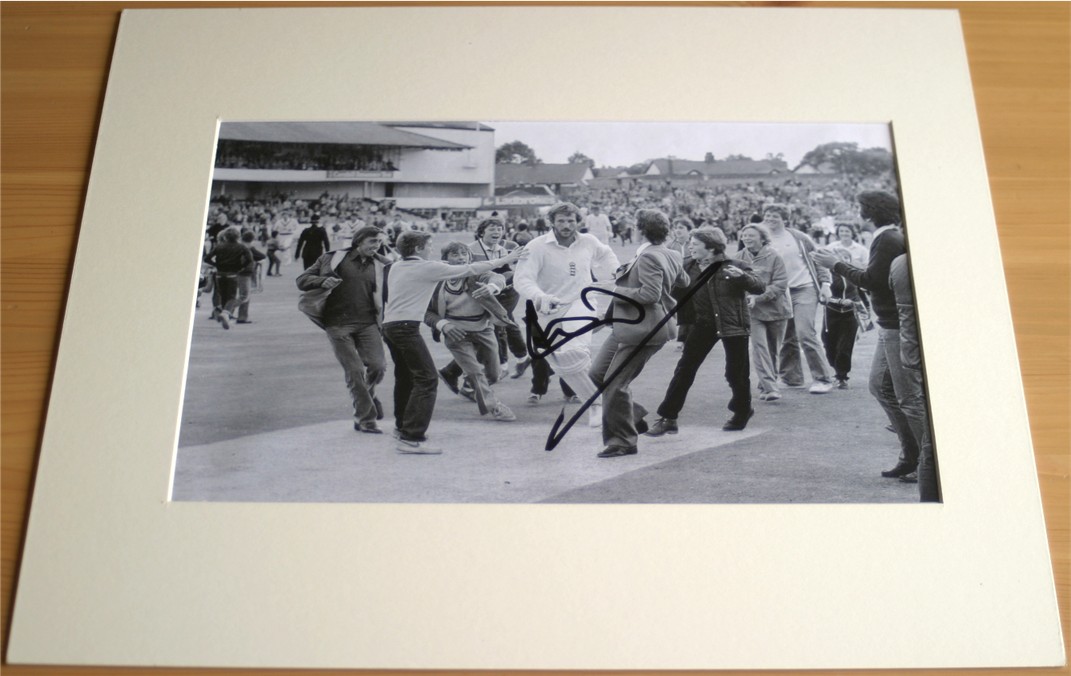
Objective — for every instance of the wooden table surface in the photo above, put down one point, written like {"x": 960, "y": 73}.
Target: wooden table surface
{"x": 55, "y": 59}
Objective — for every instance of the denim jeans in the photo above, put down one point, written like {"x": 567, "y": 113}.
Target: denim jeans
{"x": 766, "y": 339}
{"x": 899, "y": 393}
{"x": 359, "y": 350}
{"x": 800, "y": 336}
{"x": 915, "y": 402}
{"x": 477, "y": 357}
{"x": 619, "y": 412}
{"x": 415, "y": 379}
{"x": 245, "y": 294}
{"x": 507, "y": 339}
{"x": 701, "y": 340}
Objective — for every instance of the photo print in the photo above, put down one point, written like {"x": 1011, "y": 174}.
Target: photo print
{"x": 519, "y": 312}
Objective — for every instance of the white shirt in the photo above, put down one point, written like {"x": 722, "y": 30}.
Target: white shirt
{"x": 856, "y": 252}
{"x": 599, "y": 226}
{"x": 784, "y": 243}
{"x": 562, "y": 271}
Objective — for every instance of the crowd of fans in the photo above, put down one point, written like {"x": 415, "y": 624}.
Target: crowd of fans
{"x": 816, "y": 205}
{"x": 774, "y": 229}
{"x": 300, "y": 157}
{"x": 816, "y": 202}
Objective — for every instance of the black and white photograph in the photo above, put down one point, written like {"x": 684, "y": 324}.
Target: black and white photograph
{"x": 555, "y": 312}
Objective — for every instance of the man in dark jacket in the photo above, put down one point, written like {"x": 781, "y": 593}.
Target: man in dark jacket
{"x": 312, "y": 242}
{"x": 888, "y": 381}
{"x": 347, "y": 281}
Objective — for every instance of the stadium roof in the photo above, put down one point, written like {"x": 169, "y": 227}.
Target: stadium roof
{"x": 610, "y": 172}
{"x": 346, "y": 133}
{"x": 667, "y": 167}
{"x": 470, "y": 126}
{"x": 514, "y": 191}
{"x": 541, "y": 174}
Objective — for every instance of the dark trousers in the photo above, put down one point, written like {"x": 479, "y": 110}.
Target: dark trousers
{"x": 838, "y": 336}
{"x": 217, "y": 303}
{"x": 227, "y": 290}
{"x": 700, "y": 341}
{"x": 541, "y": 373}
{"x": 510, "y": 337}
{"x": 415, "y": 381}
{"x": 274, "y": 264}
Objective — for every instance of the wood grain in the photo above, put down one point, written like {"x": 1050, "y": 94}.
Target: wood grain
{"x": 55, "y": 59}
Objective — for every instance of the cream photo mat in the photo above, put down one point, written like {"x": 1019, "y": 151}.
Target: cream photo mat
{"x": 114, "y": 573}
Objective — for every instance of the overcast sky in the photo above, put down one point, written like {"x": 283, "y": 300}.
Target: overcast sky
{"x": 626, "y": 143}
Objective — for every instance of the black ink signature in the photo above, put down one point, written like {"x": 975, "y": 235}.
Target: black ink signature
{"x": 543, "y": 339}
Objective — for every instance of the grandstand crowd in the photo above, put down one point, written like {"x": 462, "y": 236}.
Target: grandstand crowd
{"x": 815, "y": 205}
{"x": 300, "y": 157}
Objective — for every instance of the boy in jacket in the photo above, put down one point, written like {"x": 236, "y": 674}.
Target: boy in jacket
{"x": 715, "y": 304}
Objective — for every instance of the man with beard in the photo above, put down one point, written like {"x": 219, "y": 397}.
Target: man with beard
{"x": 560, "y": 265}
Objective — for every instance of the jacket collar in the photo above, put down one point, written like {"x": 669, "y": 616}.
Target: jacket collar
{"x": 353, "y": 254}
{"x": 884, "y": 228}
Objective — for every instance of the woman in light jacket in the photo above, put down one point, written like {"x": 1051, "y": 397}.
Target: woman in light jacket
{"x": 770, "y": 310}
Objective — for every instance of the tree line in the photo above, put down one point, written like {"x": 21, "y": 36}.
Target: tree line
{"x": 839, "y": 157}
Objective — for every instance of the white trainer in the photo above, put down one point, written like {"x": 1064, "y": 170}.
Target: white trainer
{"x": 417, "y": 448}
{"x": 595, "y": 416}
{"x": 502, "y": 413}
{"x": 818, "y": 387}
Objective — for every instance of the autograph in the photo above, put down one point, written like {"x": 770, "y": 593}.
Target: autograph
{"x": 544, "y": 341}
